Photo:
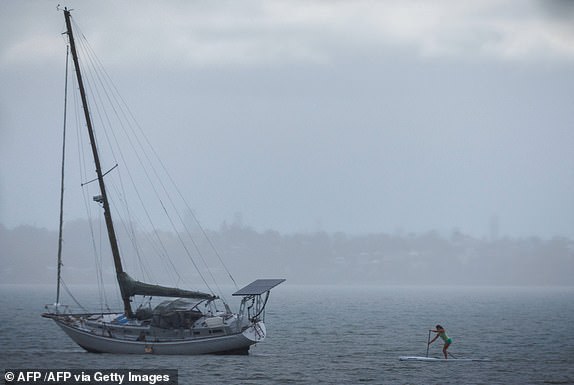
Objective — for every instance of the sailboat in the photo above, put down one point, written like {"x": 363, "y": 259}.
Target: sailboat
{"x": 186, "y": 322}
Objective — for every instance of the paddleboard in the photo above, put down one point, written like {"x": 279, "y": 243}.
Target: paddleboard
{"x": 415, "y": 358}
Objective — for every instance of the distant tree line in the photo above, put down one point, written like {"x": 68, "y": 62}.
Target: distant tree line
{"x": 28, "y": 255}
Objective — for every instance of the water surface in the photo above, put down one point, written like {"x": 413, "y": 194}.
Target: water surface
{"x": 327, "y": 335}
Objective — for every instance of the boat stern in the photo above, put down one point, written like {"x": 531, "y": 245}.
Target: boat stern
{"x": 256, "y": 332}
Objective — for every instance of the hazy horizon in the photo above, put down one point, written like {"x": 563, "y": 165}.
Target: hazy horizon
{"x": 492, "y": 232}
{"x": 320, "y": 258}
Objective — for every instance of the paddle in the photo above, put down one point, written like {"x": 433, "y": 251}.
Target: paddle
{"x": 428, "y": 343}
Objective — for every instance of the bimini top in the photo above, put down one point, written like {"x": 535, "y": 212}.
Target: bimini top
{"x": 259, "y": 287}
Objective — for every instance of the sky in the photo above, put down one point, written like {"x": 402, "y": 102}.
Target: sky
{"x": 352, "y": 116}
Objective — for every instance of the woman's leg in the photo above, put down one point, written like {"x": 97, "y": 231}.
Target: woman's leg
{"x": 445, "y": 347}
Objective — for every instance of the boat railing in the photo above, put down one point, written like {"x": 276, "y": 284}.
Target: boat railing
{"x": 57, "y": 308}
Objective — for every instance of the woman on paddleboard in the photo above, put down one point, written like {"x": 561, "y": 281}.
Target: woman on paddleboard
{"x": 440, "y": 332}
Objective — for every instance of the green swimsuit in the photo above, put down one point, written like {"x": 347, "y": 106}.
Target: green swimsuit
{"x": 445, "y": 338}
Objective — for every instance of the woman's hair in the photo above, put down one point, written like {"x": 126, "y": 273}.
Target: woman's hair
{"x": 439, "y": 327}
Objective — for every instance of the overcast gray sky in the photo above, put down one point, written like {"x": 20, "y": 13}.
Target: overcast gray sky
{"x": 355, "y": 116}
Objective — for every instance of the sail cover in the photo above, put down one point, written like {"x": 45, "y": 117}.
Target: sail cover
{"x": 131, "y": 287}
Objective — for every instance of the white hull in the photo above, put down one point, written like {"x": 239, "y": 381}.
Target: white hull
{"x": 172, "y": 327}
{"x": 237, "y": 343}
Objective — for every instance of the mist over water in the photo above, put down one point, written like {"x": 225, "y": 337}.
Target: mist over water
{"x": 311, "y": 258}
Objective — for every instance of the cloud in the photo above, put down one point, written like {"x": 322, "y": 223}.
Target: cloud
{"x": 318, "y": 31}
{"x": 46, "y": 47}
{"x": 262, "y": 33}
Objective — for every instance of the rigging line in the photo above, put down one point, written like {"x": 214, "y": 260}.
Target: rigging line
{"x": 200, "y": 254}
{"x": 122, "y": 104}
{"x": 191, "y": 238}
{"x": 137, "y": 190}
{"x": 156, "y": 174}
{"x": 85, "y": 193}
{"x": 211, "y": 244}
{"x": 99, "y": 265}
{"x": 61, "y": 224}
{"x": 87, "y": 207}
{"x": 129, "y": 228}
{"x": 187, "y": 252}
{"x": 152, "y": 184}
{"x": 99, "y": 76}
{"x": 174, "y": 185}
{"x": 98, "y": 101}
{"x": 78, "y": 125}
{"x": 92, "y": 78}
{"x": 176, "y": 211}
{"x": 94, "y": 61}
{"x": 163, "y": 252}
{"x": 80, "y": 135}
{"x": 104, "y": 174}
{"x": 103, "y": 80}
{"x": 88, "y": 70}
{"x": 181, "y": 221}
{"x": 72, "y": 296}
{"x": 126, "y": 220}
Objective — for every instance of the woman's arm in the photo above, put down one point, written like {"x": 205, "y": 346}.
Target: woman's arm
{"x": 434, "y": 339}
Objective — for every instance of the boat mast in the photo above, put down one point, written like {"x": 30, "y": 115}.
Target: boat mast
{"x": 104, "y": 198}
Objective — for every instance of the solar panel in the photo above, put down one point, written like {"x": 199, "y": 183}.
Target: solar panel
{"x": 259, "y": 287}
